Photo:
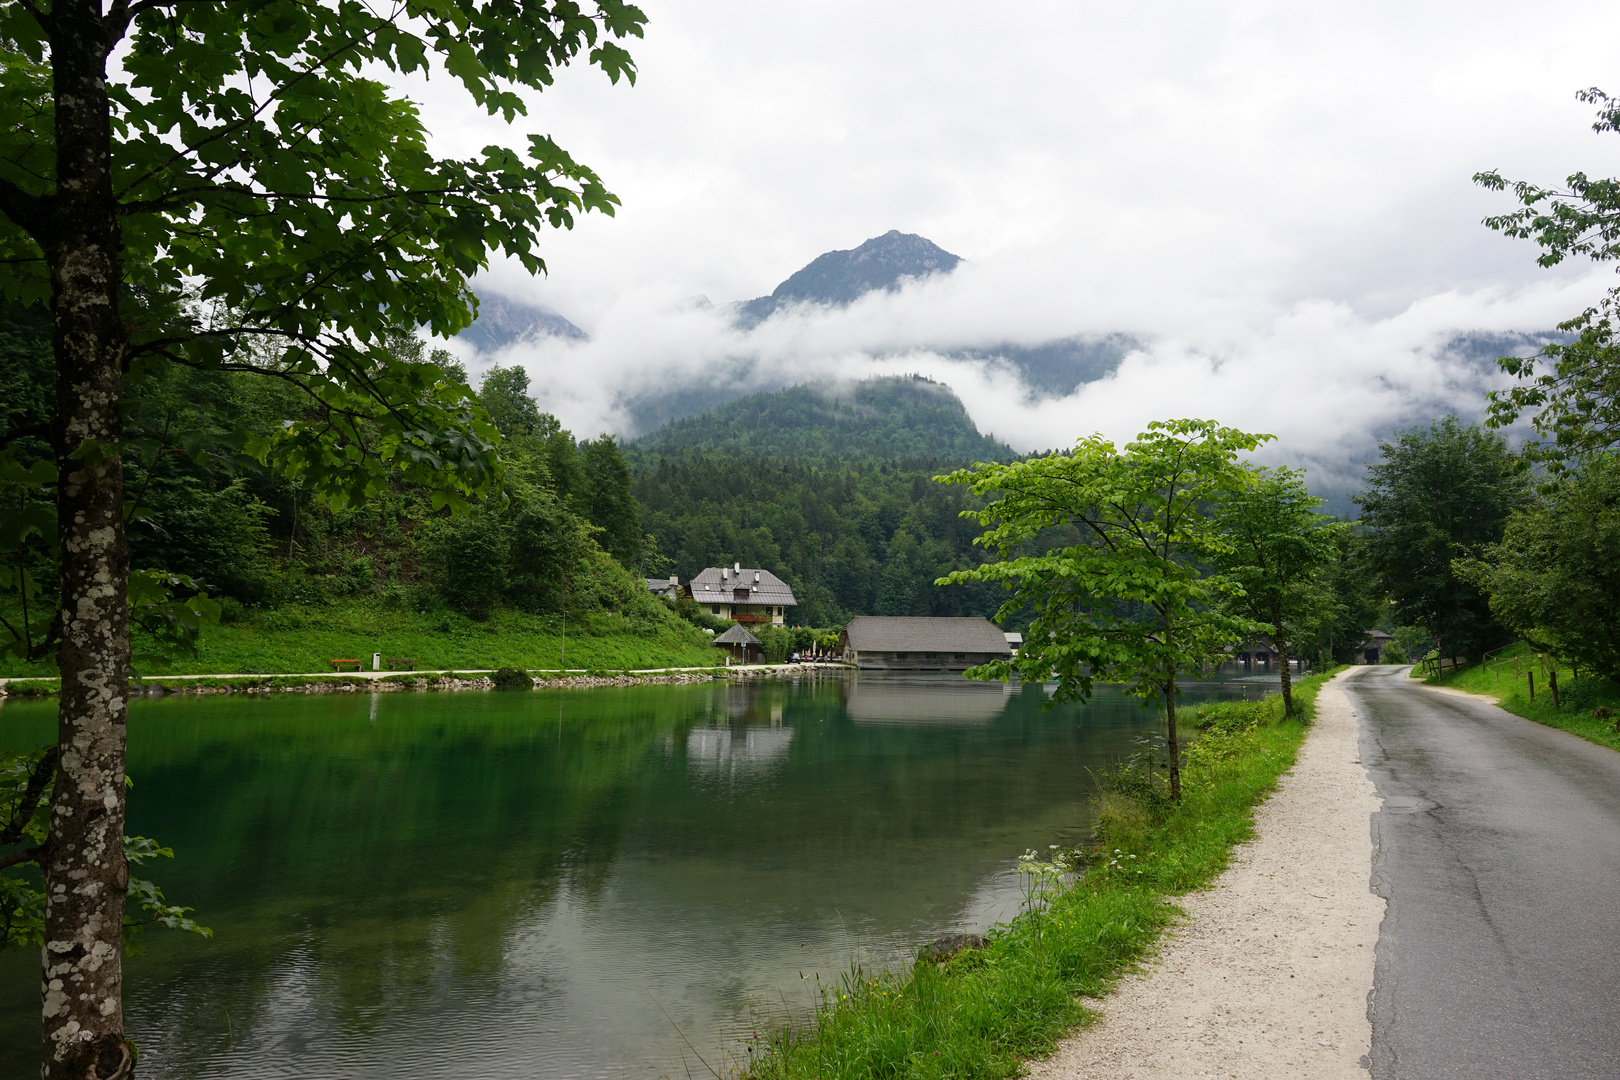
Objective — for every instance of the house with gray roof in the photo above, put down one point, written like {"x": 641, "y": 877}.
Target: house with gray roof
{"x": 921, "y": 644}
{"x": 744, "y": 594}
{"x": 666, "y": 588}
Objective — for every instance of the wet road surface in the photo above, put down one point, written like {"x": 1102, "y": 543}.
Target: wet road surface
{"x": 1498, "y": 850}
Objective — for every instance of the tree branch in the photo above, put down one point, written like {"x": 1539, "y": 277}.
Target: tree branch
{"x": 33, "y": 854}
{"x": 44, "y": 769}
{"x": 21, "y": 207}
{"x": 41, "y": 430}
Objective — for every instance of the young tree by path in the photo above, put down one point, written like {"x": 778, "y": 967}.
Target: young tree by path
{"x": 1439, "y": 494}
{"x": 1276, "y": 547}
{"x": 232, "y": 193}
{"x": 1133, "y": 602}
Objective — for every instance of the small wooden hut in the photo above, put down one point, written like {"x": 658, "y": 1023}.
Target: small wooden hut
{"x": 743, "y": 646}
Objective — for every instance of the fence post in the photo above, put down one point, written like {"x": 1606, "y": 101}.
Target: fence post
{"x": 1532, "y": 677}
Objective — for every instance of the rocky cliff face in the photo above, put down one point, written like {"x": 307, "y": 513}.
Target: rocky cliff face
{"x": 501, "y": 322}
{"x": 838, "y": 278}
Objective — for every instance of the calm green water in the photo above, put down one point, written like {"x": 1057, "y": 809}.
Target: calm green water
{"x": 601, "y": 883}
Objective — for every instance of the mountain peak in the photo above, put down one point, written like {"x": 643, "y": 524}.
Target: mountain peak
{"x": 502, "y": 322}
{"x": 839, "y": 278}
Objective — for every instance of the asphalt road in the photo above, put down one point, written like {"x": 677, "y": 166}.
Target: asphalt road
{"x": 1498, "y": 851}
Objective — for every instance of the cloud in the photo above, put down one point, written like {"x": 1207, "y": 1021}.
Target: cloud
{"x": 1275, "y": 196}
{"x": 1324, "y": 378}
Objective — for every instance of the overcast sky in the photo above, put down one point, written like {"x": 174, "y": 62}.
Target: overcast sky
{"x": 1277, "y": 194}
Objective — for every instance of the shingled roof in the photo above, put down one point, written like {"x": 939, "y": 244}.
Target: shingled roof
{"x": 736, "y": 636}
{"x": 896, "y": 634}
{"x": 717, "y": 585}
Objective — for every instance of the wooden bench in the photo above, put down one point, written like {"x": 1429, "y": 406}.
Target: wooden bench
{"x": 399, "y": 663}
{"x": 345, "y": 665}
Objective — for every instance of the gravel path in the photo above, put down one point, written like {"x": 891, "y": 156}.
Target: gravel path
{"x": 1270, "y": 977}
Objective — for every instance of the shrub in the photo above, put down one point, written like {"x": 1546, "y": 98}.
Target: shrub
{"x": 508, "y": 678}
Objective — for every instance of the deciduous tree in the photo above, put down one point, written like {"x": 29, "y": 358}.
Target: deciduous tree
{"x": 227, "y": 186}
{"x": 1134, "y": 600}
{"x": 1276, "y": 547}
{"x": 1568, "y": 389}
{"x": 1555, "y": 577}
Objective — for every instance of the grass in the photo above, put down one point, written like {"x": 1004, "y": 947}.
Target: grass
{"x": 299, "y": 639}
{"x": 1506, "y": 681}
{"x": 979, "y": 1014}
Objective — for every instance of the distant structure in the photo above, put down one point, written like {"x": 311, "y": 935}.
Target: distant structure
{"x": 1372, "y": 650}
{"x": 743, "y": 646}
{"x": 921, "y": 644}
{"x": 1262, "y": 652}
{"x": 668, "y": 590}
{"x": 745, "y": 594}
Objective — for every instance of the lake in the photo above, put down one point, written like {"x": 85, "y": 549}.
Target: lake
{"x": 584, "y": 883}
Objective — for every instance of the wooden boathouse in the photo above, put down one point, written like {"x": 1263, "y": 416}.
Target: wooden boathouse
{"x": 897, "y": 643}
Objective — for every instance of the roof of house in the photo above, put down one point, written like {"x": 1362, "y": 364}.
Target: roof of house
{"x": 736, "y": 636}
{"x": 719, "y": 585}
{"x": 660, "y": 586}
{"x": 890, "y": 633}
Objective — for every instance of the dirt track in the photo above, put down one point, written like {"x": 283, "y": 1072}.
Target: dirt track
{"x": 1271, "y": 975}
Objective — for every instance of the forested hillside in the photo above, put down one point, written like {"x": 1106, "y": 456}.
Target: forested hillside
{"x": 563, "y": 535}
{"x": 883, "y": 419}
{"x": 830, "y": 489}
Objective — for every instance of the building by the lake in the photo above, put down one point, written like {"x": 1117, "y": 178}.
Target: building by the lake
{"x": 743, "y": 647}
{"x": 744, "y": 594}
{"x": 921, "y": 644}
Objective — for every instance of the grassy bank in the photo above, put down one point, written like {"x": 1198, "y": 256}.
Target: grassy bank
{"x": 980, "y": 1013}
{"x": 1506, "y": 681}
{"x": 300, "y": 639}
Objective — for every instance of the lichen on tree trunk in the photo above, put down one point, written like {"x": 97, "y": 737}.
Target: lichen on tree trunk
{"x": 86, "y": 874}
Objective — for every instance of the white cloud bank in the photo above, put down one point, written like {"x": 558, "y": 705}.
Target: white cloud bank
{"x": 1277, "y": 196}
{"x": 1321, "y": 377}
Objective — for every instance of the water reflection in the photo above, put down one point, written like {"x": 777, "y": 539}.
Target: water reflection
{"x": 884, "y": 698}
{"x": 737, "y": 755}
{"x": 550, "y": 884}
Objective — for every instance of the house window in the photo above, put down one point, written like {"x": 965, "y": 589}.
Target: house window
{"x": 715, "y": 609}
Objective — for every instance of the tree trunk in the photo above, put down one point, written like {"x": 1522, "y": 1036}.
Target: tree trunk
{"x": 1172, "y": 744}
{"x": 1287, "y": 679}
{"x": 86, "y": 875}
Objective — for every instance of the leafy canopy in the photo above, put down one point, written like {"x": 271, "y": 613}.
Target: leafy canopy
{"x": 282, "y": 212}
{"x": 1555, "y": 577}
{"x": 1276, "y": 547}
{"x": 1568, "y": 388}
{"x": 1133, "y": 601}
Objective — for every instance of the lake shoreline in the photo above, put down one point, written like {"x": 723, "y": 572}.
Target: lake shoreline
{"x": 395, "y": 682}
